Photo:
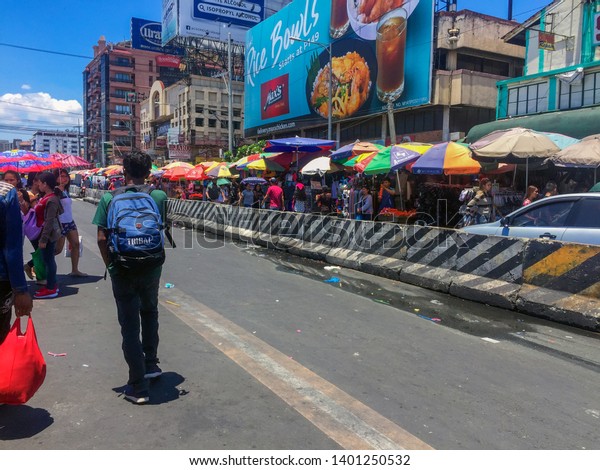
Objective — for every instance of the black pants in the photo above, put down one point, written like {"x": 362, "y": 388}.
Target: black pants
{"x": 6, "y": 303}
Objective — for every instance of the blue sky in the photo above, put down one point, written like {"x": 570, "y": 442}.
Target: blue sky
{"x": 47, "y": 87}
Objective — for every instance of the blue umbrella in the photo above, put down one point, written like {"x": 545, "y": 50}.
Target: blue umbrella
{"x": 299, "y": 144}
{"x": 253, "y": 180}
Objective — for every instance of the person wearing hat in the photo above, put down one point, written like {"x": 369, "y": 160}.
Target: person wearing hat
{"x": 274, "y": 196}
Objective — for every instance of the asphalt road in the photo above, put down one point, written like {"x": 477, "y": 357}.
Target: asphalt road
{"x": 259, "y": 352}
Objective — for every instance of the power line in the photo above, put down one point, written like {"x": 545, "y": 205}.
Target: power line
{"x": 35, "y": 49}
{"x": 39, "y": 107}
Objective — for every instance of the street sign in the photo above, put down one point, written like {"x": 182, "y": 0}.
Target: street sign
{"x": 131, "y": 97}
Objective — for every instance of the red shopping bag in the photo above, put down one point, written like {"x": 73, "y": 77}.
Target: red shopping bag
{"x": 22, "y": 365}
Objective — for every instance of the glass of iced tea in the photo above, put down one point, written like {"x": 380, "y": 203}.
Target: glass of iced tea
{"x": 390, "y": 47}
{"x": 339, "y": 18}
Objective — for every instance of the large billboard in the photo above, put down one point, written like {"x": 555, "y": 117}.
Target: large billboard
{"x": 214, "y": 19}
{"x": 381, "y": 54}
{"x": 147, "y": 36}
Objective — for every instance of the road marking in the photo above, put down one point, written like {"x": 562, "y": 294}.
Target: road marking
{"x": 490, "y": 340}
{"x": 344, "y": 419}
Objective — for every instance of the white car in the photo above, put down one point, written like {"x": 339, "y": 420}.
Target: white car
{"x": 568, "y": 218}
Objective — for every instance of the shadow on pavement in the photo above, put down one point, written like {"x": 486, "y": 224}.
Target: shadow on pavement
{"x": 21, "y": 422}
{"x": 66, "y": 280}
{"x": 163, "y": 389}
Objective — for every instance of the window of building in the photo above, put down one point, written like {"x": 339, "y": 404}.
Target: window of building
{"x": 237, "y": 99}
{"x": 584, "y": 93}
{"x": 237, "y": 112}
{"x": 199, "y": 122}
{"x": 479, "y": 64}
{"x": 123, "y": 77}
{"x": 122, "y": 109}
{"x": 224, "y": 125}
{"x": 120, "y": 93}
{"x": 199, "y": 109}
{"x": 150, "y": 66}
{"x": 212, "y": 96}
{"x": 528, "y": 99}
{"x": 212, "y": 123}
{"x": 237, "y": 125}
{"x": 199, "y": 95}
{"x": 150, "y": 81}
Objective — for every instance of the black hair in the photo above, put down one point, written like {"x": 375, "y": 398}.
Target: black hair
{"x": 25, "y": 195}
{"x": 16, "y": 175}
{"x": 137, "y": 164}
{"x": 58, "y": 172}
{"x": 300, "y": 194}
{"x": 49, "y": 178}
{"x": 550, "y": 186}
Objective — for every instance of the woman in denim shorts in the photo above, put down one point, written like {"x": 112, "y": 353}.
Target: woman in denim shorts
{"x": 69, "y": 229}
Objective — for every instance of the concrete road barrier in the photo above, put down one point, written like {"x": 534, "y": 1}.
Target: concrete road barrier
{"x": 553, "y": 280}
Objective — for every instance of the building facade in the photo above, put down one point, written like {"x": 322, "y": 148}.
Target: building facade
{"x": 57, "y": 142}
{"x": 559, "y": 89}
{"x": 191, "y": 118}
{"x": 114, "y": 83}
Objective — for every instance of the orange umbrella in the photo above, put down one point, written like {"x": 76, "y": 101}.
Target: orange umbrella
{"x": 176, "y": 173}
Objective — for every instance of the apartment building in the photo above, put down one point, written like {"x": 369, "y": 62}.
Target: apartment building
{"x": 190, "y": 118}
{"x": 57, "y": 142}
{"x": 114, "y": 83}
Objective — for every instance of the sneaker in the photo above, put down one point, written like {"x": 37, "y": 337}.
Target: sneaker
{"x": 28, "y": 270}
{"x": 136, "y": 397}
{"x": 152, "y": 371}
{"x": 45, "y": 293}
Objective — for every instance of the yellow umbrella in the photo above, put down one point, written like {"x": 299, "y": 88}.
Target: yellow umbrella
{"x": 177, "y": 164}
{"x": 416, "y": 147}
{"x": 264, "y": 165}
{"x": 219, "y": 170}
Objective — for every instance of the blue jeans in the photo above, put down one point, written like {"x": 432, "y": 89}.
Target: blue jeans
{"x": 50, "y": 262}
{"x": 137, "y": 309}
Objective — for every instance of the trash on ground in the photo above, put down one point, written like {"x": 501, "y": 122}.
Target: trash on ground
{"x": 356, "y": 354}
{"x": 417, "y": 309}
{"x": 168, "y": 285}
{"x": 332, "y": 268}
{"x": 424, "y": 317}
{"x": 436, "y": 302}
{"x": 437, "y": 320}
{"x": 332, "y": 280}
{"x": 490, "y": 340}
{"x": 172, "y": 303}
{"x": 382, "y": 301}
{"x": 57, "y": 354}
{"x": 298, "y": 331}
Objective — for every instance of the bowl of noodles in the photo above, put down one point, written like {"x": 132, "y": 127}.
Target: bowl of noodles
{"x": 352, "y": 80}
{"x": 364, "y": 14}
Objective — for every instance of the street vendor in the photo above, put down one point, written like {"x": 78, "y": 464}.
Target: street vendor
{"x": 386, "y": 195}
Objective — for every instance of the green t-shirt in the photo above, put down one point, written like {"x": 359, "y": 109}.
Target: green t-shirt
{"x": 101, "y": 220}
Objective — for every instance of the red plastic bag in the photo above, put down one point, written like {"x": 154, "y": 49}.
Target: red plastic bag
{"x": 22, "y": 365}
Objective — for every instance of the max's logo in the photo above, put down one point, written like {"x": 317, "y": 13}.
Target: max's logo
{"x": 275, "y": 97}
{"x": 138, "y": 225}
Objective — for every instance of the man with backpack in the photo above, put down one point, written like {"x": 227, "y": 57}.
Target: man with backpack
{"x": 130, "y": 224}
{"x": 13, "y": 286}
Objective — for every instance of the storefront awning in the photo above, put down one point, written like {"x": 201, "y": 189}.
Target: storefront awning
{"x": 578, "y": 123}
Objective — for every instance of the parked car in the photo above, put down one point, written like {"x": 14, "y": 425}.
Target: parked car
{"x": 568, "y": 218}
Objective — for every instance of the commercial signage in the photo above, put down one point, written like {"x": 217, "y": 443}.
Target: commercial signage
{"x": 546, "y": 41}
{"x": 181, "y": 152}
{"x": 214, "y": 19}
{"x": 381, "y": 55}
{"x": 596, "y": 40}
{"x": 146, "y": 35}
{"x": 163, "y": 129}
{"x": 168, "y": 61}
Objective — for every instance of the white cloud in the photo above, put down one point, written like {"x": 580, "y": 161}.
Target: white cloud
{"x": 24, "y": 113}
{"x": 25, "y": 86}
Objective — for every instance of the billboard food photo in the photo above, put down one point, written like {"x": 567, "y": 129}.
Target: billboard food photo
{"x": 381, "y": 54}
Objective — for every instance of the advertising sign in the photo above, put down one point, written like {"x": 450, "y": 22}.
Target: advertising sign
{"x": 147, "y": 36}
{"x": 381, "y": 55}
{"x": 214, "y": 19}
{"x": 546, "y": 41}
{"x": 180, "y": 152}
{"x": 168, "y": 61}
{"x": 596, "y": 39}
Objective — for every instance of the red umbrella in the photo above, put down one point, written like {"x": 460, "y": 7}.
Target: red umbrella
{"x": 69, "y": 160}
{"x": 28, "y": 163}
{"x": 196, "y": 173}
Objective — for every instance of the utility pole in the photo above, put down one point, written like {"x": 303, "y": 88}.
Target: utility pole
{"x": 78, "y": 138}
{"x": 230, "y": 95}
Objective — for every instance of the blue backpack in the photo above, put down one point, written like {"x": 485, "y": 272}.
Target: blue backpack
{"x": 135, "y": 226}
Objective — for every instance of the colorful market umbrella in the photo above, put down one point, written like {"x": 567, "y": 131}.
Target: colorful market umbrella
{"x": 187, "y": 165}
{"x": 354, "y": 149}
{"x": 388, "y": 159}
{"x": 219, "y": 171}
{"x": 176, "y": 173}
{"x": 253, "y": 180}
{"x": 27, "y": 164}
{"x": 223, "y": 182}
{"x": 320, "y": 166}
{"x": 69, "y": 161}
{"x": 242, "y": 162}
{"x": 447, "y": 158}
{"x": 298, "y": 144}
{"x": 196, "y": 173}
{"x": 264, "y": 164}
